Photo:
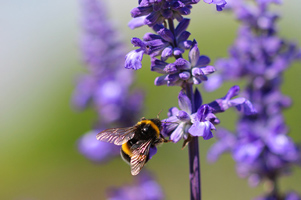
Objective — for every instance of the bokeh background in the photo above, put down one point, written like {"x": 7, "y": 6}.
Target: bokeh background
{"x": 39, "y": 60}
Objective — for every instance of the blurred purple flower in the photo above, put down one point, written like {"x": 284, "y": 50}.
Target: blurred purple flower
{"x": 261, "y": 147}
{"x": 95, "y": 150}
{"x": 144, "y": 188}
{"x": 106, "y": 85}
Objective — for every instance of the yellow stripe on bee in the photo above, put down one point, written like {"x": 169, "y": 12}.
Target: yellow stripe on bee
{"x": 153, "y": 125}
{"x": 126, "y": 149}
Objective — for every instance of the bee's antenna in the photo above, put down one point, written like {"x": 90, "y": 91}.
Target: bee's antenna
{"x": 159, "y": 113}
{"x": 165, "y": 122}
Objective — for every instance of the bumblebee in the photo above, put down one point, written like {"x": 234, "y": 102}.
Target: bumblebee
{"x": 135, "y": 141}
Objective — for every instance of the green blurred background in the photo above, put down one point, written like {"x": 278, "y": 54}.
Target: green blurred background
{"x": 39, "y": 60}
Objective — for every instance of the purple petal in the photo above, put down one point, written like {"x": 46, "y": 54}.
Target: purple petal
{"x": 208, "y": 70}
{"x": 194, "y": 54}
{"x": 182, "y": 64}
{"x": 197, "y": 99}
{"x": 178, "y": 133}
{"x": 172, "y": 79}
{"x": 170, "y": 68}
{"x": 202, "y": 129}
{"x": 212, "y": 118}
{"x": 202, "y": 112}
{"x": 197, "y": 72}
{"x": 182, "y": 26}
{"x": 184, "y": 75}
{"x": 172, "y": 111}
{"x": 137, "y": 22}
{"x": 169, "y": 125}
{"x": 246, "y": 107}
{"x": 178, "y": 51}
{"x": 203, "y": 61}
{"x": 140, "y": 11}
{"x": 160, "y": 80}
{"x": 183, "y": 116}
{"x": 152, "y": 18}
{"x": 233, "y": 91}
{"x": 182, "y": 40}
{"x": 167, "y": 52}
{"x": 137, "y": 42}
{"x": 166, "y": 35}
{"x": 196, "y": 80}
{"x": 158, "y": 65}
{"x": 184, "y": 102}
{"x": 133, "y": 59}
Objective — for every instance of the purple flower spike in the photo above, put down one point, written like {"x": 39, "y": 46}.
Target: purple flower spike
{"x": 105, "y": 87}
{"x": 261, "y": 147}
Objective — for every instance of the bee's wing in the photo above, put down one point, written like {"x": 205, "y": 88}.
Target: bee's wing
{"x": 118, "y": 136}
{"x": 139, "y": 156}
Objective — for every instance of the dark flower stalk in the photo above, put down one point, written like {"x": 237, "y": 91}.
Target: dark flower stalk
{"x": 195, "y": 119}
{"x": 262, "y": 149}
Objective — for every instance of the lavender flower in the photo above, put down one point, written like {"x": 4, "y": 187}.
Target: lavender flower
{"x": 145, "y": 188}
{"x": 165, "y": 43}
{"x": 106, "y": 86}
{"x": 261, "y": 147}
{"x": 194, "y": 119}
{"x": 184, "y": 123}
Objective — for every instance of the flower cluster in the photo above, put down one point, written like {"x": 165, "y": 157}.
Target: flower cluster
{"x": 168, "y": 42}
{"x": 106, "y": 86}
{"x": 194, "y": 119}
{"x": 184, "y": 123}
{"x": 261, "y": 148}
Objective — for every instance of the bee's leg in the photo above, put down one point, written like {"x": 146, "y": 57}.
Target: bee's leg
{"x": 164, "y": 140}
{"x": 143, "y": 118}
